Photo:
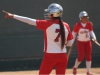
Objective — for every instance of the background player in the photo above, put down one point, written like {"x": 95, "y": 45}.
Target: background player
{"x": 84, "y": 29}
{"x": 57, "y": 35}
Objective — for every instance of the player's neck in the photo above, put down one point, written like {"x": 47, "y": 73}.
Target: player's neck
{"x": 83, "y": 24}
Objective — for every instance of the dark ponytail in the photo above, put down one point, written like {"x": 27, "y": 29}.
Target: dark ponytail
{"x": 62, "y": 31}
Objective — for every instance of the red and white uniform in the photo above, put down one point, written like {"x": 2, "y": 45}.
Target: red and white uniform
{"x": 84, "y": 46}
{"x": 54, "y": 56}
{"x": 84, "y": 31}
{"x": 52, "y": 35}
{"x": 52, "y": 39}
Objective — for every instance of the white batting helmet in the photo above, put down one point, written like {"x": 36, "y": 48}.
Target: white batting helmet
{"x": 54, "y": 9}
{"x": 83, "y": 13}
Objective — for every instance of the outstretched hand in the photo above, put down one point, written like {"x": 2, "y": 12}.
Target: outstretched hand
{"x": 8, "y": 15}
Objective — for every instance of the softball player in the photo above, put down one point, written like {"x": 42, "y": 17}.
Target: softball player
{"x": 84, "y": 29}
{"x": 57, "y": 36}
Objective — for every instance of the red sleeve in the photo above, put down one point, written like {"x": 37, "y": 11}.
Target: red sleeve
{"x": 70, "y": 36}
{"x": 90, "y": 27}
{"x": 41, "y": 24}
{"x": 75, "y": 29}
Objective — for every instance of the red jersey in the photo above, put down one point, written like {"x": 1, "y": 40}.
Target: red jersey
{"x": 83, "y": 32}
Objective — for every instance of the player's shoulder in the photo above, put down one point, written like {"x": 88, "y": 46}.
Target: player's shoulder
{"x": 45, "y": 22}
{"x": 90, "y": 23}
{"x": 42, "y": 21}
{"x": 77, "y": 24}
{"x": 66, "y": 24}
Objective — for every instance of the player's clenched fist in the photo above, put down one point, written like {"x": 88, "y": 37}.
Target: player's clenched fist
{"x": 8, "y": 15}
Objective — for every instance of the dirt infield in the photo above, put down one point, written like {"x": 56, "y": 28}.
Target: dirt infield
{"x": 81, "y": 71}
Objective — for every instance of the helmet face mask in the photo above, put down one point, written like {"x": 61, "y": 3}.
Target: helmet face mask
{"x": 54, "y": 9}
{"x": 46, "y": 14}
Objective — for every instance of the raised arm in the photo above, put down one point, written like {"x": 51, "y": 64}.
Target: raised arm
{"x": 20, "y": 18}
